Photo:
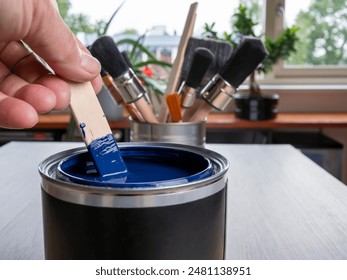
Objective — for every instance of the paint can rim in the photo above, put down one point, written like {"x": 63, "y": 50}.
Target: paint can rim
{"x": 101, "y": 196}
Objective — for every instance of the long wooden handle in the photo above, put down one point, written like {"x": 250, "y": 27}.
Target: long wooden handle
{"x": 173, "y": 80}
{"x": 87, "y": 112}
{"x": 175, "y": 72}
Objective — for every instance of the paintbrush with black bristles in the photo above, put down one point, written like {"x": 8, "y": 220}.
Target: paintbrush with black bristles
{"x": 220, "y": 49}
{"x": 201, "y": 61}
{"x": 113, "y": 90}
{"x": 128, "y": 84}
{"x": 217, "y": 94}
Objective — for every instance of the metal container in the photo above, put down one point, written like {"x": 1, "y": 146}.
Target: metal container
{"x": 186, "y": 133}
{"x": 181, "y": 217}
{"x": 256, "y": 107}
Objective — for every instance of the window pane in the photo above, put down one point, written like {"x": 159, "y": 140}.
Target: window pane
{"x": 323, "y": 32}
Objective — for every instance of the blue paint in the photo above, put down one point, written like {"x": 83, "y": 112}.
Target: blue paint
{"x": 147, "y": 167}
{"x": 82, "y": 126}
{"x": 107, "y": 157}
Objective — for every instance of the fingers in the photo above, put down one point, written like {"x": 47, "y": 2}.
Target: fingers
{"x": 48, "y": 93}
{"x": 55, "y": 43}
{"x": 26, "y": 67}
{"x": 20, "y": 60}
{"x": 21, "y": 110}
{"x": 26, "y": 87}
{"x": 39, "y": 97}
{"x": 60, "y": 89}
{"x": 16, "y": 113}
{"x": 12, "y": 53}
{"x": 39, "y": 24}
{"x": 29, "y": 70}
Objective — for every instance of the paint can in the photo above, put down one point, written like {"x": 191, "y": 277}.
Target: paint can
{"x": 186, "y": 133}
{"x": 154, "y": 216}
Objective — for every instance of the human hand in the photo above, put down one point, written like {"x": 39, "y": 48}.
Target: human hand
{"x": 26, "y": 87}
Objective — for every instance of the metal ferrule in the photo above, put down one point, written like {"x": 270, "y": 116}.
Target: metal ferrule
{"x": 218, "y": 93}
{"x": 188, "y": 96}
{"x": 130, "y": 86}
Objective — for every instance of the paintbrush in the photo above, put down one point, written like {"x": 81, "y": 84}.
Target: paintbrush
{"x": 249, "y": 53}
{"x": 221, "y": 51}
{"x": 201, "y": 61}
{"x": 112, "y": 88}
{"x": 109, "y": 84}
{"x": 173, "y": 81}
{"x": 174, "y": 105}
{"x": 126, "y": 58}
{"x": 128, "y": 84}
{"x": 146, "y": 96}
{"x": 95, "y": 130}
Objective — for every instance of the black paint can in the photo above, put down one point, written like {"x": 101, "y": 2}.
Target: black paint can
{"x": 181, "y": 217}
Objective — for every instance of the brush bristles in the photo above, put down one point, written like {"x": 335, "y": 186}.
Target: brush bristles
{"x": 106, "y": 51}
{"x": 249, "y": 53}
{"x": 126, "y": 58}
{"x": 220, "y": 49}
{"x": 201, "y": 61}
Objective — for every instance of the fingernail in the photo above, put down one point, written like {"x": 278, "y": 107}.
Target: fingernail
{"x": 90, "y": 64}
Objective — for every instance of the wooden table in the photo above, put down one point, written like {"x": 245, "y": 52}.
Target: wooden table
{"x": 281, "y": 205}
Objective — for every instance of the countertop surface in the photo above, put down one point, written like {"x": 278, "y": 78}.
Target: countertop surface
{"x": 281, "y": 205}
{"x": 225, "y": 121}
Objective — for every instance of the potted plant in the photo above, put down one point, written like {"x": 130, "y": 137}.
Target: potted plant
{"x": 256, "y": 105}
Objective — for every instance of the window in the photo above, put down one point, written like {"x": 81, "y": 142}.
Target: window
{"x": 322, "y": 52}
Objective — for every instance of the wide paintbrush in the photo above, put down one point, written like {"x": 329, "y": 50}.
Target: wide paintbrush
{"x": 112, "y": 88}
{"x": 95, "y": 130}
{"x": 128, "y": 84}
{"x": 221, "y": 51}
{"x": 218, "y": 93}
{"x": 201, "y": 61}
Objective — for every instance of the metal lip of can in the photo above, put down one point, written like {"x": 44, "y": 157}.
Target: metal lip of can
{"x": 186, "y": 133}
{"x": 100, "y": 196}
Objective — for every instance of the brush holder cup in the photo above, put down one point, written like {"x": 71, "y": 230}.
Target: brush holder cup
{"x": 171, "y": 205}
{"x": 186, "y": 133}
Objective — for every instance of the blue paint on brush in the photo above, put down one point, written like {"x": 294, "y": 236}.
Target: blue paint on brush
{"x": 107, "y": 157}
{"x": 82, "y": 126}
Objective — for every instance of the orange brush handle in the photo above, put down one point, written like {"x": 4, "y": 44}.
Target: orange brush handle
{"x": 174, "y": 105}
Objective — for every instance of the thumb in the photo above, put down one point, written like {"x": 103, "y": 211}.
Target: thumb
{"x": 51, "y": 39}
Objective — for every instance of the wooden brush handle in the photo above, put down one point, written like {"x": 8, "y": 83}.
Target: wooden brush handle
{"x": 87, "y": 112}
{"x": 145, "y": 110}
{"x": 201, "y": 113}
{"x": 174, "y": 104}
{"x": 175, "y": 72}
{"x": 112, "y": 88}
{"x": 133, "y": 112}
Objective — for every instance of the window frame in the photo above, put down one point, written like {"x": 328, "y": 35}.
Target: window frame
{"x": 274, "y": 22}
